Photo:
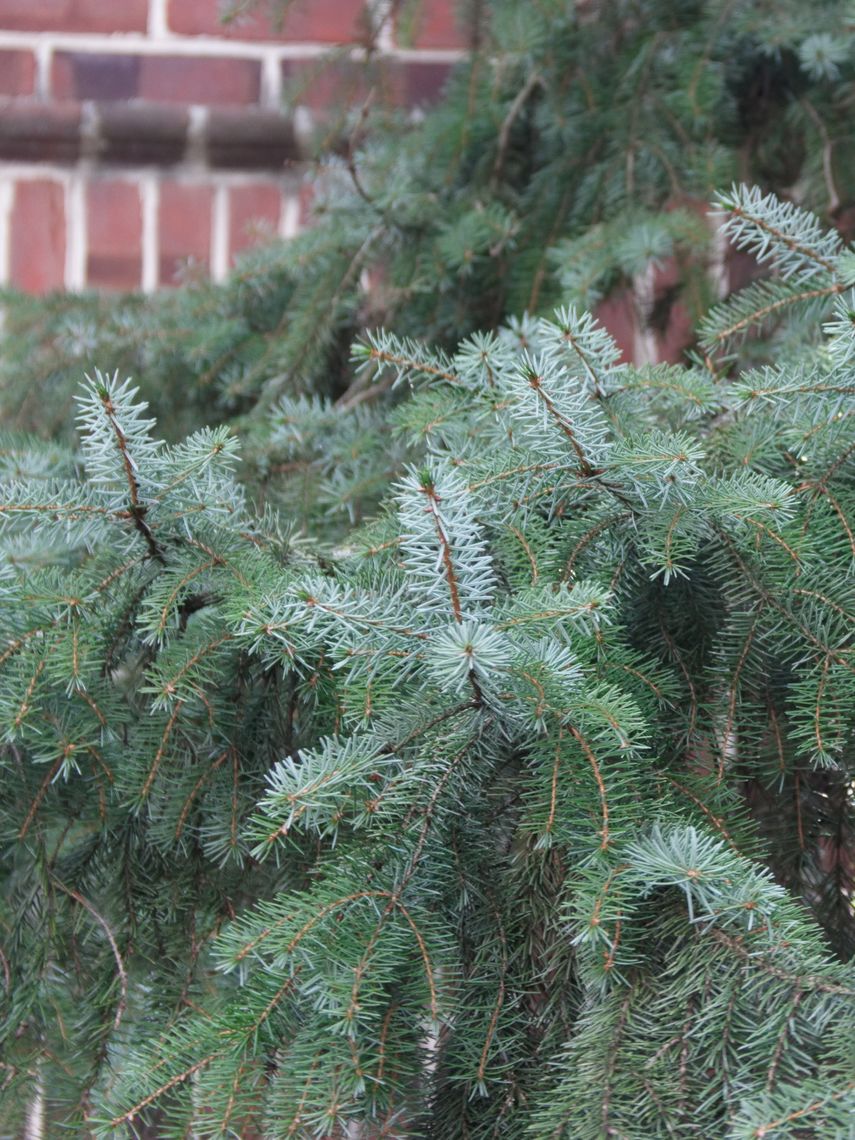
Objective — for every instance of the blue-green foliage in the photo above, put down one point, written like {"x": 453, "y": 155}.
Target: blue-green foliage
{"x": 467, "y": 825}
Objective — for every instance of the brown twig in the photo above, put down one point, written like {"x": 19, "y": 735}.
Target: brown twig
{"x": 105, "y": 926}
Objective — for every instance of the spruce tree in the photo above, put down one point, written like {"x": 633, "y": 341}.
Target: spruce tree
{"x": 522, "y": 810}
{"x": 541, "y": 178}
{"x": 525, "y": 808}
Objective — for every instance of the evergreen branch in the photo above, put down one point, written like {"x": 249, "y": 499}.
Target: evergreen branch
{"x": 233, "y": 822}
{"x": 218, "y": 560}
{"x": 592, "y": 346}
{"x": 361, "y": 966}
{"x": 307, "y": 1084}
{"x": 716, "y": 821}
{"x": 70, "y": 510}
{"x": 26, "y": 706}
{"x": 611, "y": 1067}
{"x": 733, "y": 693}
{"x": 770, "y": 600}
{"x": 827, "y": 158}
{"x": 185, "y": 580}
{"x": 535, "y": 382}
{"x": 500, "y": 997}
{"x": 590, "y": 535}
{"x": 836, "y": 464}
{"x": 669, "y": 561}
{"x": 40, "y": 795}
{"x": 178, "y": 1079}
{"x": 161, "y": 751}
{"x": 671, "y": 646}
{"x": 513, "y": 473}
{"x": 821, "y": 489}
{"x": 719, "y": 335}
{"x": 286, "y": 986}
{"x": 769, "y": 223}
{"x": 777, "y": 538}
{"x": 601, "y": 787}
{"x": 811, "y": 982}
{"x": 649, "y": 381}
{"x": 429, "y": 491}
{"x": 645, "y": 680}
{"x": 792, "y": 389}
{"x": 551, "y": 615}
{"x": 532, "y": 84}
{"x": 428, "y": 965}
{"x": 411, "y": 364}
{"x": 137, "y": 510}
{"x": 361, "y": 620}
{"x": 595, "y": 920}
{"x": 423, "y": 729}
{"x": 383, "y": 1037}
{"x": 297, "y": 938}
{"x": 800, "y": 1113}
{"x": 226, "y": 1118}
{"x": 19, "y": 642}
{"x": 775, "y": 726}
{"x": 202, "y": 780}
{"x": 191, "y": 463}
{"x": 553, "y": 789}
{"x": 122, "y": 1003}
{"x": 529, "y": 551}
{"x": 169, "y": 687}
{"x": 428, "y": 817}
{"x": 783, "y": 1036}
{"x": 847, "y": 615}
{"x": 817, "y": 709}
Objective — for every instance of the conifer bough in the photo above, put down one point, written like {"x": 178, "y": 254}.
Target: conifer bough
{"x": 525, "y": 812}
{"x": 572, "y": 151}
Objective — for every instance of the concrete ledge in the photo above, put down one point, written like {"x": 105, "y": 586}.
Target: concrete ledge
{"x": 139, "y": 133}
{"x": 38, "y": 132}
{"x": 259, "y": 140}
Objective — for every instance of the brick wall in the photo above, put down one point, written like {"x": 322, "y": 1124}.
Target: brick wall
{"x": 138, "y": 134}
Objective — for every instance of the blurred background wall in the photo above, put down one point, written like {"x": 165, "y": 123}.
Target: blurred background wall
{"x": 144, "y": 139}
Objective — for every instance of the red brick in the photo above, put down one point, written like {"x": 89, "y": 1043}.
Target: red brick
{"x": 677, "y": 336}
{"x": 17, "y": 73}
{"x": 38, "y": 236}
{"x": 670, "y": 317}
{"x": 323, "y": 85}
{"x": 422, "y": 83}
{"x": 312, "y": 21}
{"x": 114, "y": 229}
{"x": 213, "y": 81}
{"x": 74, "y": 15}
{"x": 159, "y": 78}
{"x": 330, "y": 86}
{"x": 91, "y": 75}
{"x": 307, "y": 197}
{"x": 253, "y": 213}
{"x": 743, "y": 268}
{"x": 617, "y": 315}
{"x": 844, "y": 222}
{"x": 431, "y": 24}
{"x": 672, "y": 326}
{"x": 185, "y": 228}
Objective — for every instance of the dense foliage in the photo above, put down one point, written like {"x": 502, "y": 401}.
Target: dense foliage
{"x": 452, "y": 735}
{"x": 481, "y": 823}
{"x": 539, "y": 180}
